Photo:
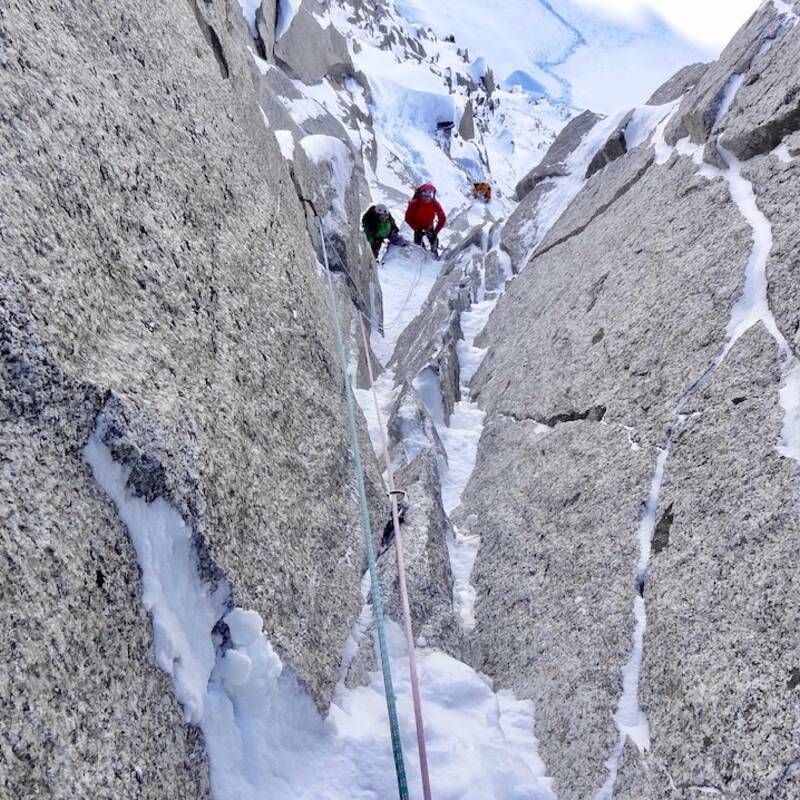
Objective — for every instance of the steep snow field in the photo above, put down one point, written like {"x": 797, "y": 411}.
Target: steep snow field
{"x": 579, "y": 56}
{"x": 411, "y": 95}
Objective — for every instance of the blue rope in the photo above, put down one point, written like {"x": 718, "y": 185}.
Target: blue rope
{"x": 391, "y": 700}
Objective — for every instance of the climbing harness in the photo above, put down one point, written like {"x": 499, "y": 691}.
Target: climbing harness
{"x": 391, "y": 700}
{"x": 395, "y": 495}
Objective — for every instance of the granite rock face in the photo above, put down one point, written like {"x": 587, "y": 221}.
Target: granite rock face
{"x": 327, "y": 55}
{"x": 85, "y": 709}
{"x": 325, "y": 163}
{"x": 552, "y": 165}
{"x": 655, "y": 250}
{"x": 466, "y": 127}
{"x": 744, "y": 56}
{"x": 556, "y": 510}
{"x": 611, "y": 344}
{"x": 720, "y": 685}
{"x": 166, "y": 284}
{"x": 677, "y": 86}
{"x": 167, "y": 275}
{"x": 265, "y": 21}
{"x": 773, "y": 183}
{"x": 766, "y": 108}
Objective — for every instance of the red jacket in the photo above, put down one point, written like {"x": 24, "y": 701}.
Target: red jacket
{"x": 420, "y": 215}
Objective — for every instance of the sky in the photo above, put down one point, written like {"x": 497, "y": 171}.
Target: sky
{"x": 710, "y": 23}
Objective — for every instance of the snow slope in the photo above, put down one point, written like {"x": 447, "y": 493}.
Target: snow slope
{"x": 263, "y": 734}
{"x": 583, "y": 57}
{"x": 412, "y": 92}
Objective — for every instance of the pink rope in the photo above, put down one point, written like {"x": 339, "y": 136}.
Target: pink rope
{"x": 401, "y": 570}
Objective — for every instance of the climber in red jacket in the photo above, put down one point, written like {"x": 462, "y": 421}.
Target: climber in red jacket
{"x": 426, "y": 217}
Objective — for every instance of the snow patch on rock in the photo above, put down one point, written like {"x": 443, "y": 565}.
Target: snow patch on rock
{"x": 263, "y": 734}
{"x": 787, "y": 10}
{"x": 286, "y": 143}
{"x": 249, "y": 8}
{"x": 645, "y": 120}
{"x": 781, "y": 152}
{"x": 184, "y": 610}
{"x": 323, "y": 149}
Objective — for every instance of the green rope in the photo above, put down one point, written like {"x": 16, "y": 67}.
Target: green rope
{"x": 391, "y": 701}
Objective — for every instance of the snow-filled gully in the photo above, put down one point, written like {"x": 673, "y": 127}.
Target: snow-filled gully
{"x": 263, "y": 735}
{"x": 751, "y": 308}
{"x": 461, "y": 437}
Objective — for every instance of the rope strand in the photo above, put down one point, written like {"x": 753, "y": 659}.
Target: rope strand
{"x": 401, "y": 571}
{"x": 391, "y": 700}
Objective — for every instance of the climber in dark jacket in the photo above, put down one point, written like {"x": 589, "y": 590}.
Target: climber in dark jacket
{"x": 379, "y": 225}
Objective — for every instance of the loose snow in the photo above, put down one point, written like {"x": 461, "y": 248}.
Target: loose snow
{"x": 662, "y": 149}
{"x": 387, "y": 394}
{"x": 781, "y": 152}
{"x": 263, "y": 734}
{"x": 406, "y": 276}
